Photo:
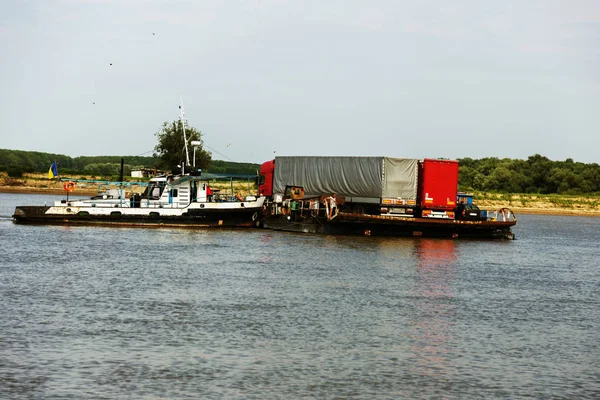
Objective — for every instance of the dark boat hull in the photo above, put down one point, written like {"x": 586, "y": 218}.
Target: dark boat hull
{"x": 343, "y": 223}
{"x": 371, "y": 225}
{"x": 194, "y": 218}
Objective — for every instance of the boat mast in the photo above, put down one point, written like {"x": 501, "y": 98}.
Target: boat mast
{"x": 182, "y": 119}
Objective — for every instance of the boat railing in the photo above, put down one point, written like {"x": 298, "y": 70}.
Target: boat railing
{"x": 109, "y": 193}
{"x": 501, "y": 215}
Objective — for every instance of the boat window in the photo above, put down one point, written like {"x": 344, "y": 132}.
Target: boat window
{"x": 153, "y": 190}
{"x": 173, "y": 193}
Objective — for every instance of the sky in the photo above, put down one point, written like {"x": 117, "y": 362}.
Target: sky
{"x": 259, "y": 79}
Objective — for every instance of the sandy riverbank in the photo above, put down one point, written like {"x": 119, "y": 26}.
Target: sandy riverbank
{"x": 541, "y": 204}
{"x": 37, "y": 186}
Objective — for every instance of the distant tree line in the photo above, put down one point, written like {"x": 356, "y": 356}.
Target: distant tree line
{"x": 177, "y": 144}
{"x": 226, "y": 167}
{"x": 19, "y": 162}
{"x": 537, "y": 174}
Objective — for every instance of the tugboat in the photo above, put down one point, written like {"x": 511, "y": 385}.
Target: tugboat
{"x": 184, "y": 201}
{"x": 180, "y": 200}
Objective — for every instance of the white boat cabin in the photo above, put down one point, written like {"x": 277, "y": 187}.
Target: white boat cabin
{"x": 162, "y": 192}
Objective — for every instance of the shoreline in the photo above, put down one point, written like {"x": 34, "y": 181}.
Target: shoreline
{"x": 36, "y": 190}
{"x": 484, "y": 205}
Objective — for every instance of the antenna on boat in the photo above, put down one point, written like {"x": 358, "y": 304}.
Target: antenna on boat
{"x": 182, "y": 119}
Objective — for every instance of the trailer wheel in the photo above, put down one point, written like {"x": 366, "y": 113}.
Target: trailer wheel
{"x": 358, "y": 209}
{"x": 345, "y": 208}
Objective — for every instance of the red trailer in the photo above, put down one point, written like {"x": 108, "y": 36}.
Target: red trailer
{"x": 438, "y": 185}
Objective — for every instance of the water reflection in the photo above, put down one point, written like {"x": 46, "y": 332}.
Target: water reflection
{"x": 400, "y": 248}
{"x": 431, "y": 331}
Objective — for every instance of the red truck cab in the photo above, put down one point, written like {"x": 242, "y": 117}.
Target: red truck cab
{"x": 265, "y": 182}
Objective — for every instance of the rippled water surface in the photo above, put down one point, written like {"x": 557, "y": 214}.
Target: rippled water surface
{"x": 89, "y": 312}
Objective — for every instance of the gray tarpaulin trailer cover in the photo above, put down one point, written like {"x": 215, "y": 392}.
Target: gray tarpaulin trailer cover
{"x": 368, "y": 177}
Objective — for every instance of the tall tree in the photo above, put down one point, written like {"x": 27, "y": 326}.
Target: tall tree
{"x": 171, "y": 146}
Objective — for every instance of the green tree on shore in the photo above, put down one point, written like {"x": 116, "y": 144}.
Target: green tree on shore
{"x": 171, "y": 146}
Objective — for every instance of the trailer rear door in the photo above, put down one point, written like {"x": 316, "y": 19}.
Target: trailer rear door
{"x": 439, "y": 184}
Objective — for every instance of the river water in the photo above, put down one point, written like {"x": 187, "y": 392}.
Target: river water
{"x": 106, "y": 313}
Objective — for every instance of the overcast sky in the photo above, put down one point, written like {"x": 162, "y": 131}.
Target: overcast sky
{"x": 265, "y": 78}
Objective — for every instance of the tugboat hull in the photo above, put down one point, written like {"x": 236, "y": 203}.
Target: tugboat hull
{"x": 240, "y": 217}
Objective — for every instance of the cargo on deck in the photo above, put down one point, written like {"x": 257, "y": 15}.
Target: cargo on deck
{"x": 370, "y": 195}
